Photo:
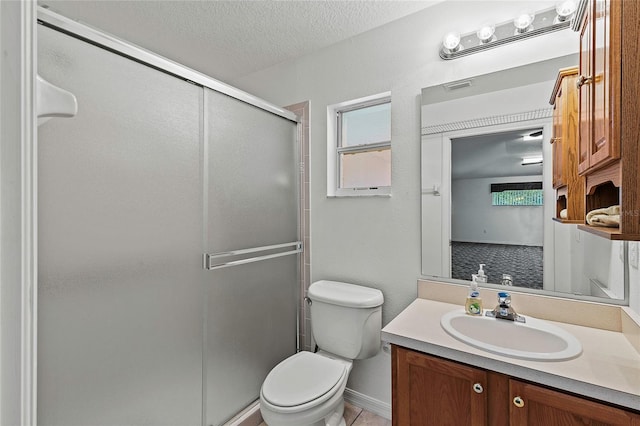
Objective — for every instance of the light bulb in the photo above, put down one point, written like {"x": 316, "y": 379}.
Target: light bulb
{"x": 565, "y": 9}
{"x": 451, "y": 41}
{"x": 523, "y": 22}
{"x": 486, "y": 32}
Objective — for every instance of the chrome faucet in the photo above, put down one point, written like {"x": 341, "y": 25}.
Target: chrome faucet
{"x": 504, "y": 309}
{"x": 507, "y": 279}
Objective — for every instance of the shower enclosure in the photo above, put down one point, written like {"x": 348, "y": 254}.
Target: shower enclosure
{"x": 168, "y": 240}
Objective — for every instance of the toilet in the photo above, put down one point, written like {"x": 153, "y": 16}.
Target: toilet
{"x": 307, "y": 388}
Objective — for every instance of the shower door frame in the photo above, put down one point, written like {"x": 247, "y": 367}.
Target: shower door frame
{"x": 96, "y": 37}
{"x": 143, "y": 56}
{"x": 19, "y": 218}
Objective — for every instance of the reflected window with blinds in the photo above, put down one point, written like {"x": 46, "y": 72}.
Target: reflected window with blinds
{"x": 516, "y": 194}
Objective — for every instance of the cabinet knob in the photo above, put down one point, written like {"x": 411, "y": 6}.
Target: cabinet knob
{"x": 477, "y": 388}
{"x": 518, "y": 402}
{"x": 583, "y": 80}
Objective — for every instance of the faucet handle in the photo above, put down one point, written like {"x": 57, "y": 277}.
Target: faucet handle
{"x": 504, "y": 298}
{"x": 507, "y": 279}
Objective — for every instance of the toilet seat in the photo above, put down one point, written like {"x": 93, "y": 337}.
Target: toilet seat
{"x": 303, "y": 380}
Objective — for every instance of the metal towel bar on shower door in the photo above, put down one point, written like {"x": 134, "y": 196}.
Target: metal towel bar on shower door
{"x": 215, "y": 261}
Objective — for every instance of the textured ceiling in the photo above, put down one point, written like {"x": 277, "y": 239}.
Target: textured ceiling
{"x": 230, "y": 39}
{"x": 494, "y": 155}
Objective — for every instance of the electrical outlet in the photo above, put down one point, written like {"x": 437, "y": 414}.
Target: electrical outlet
{"x": 633, "y": 254}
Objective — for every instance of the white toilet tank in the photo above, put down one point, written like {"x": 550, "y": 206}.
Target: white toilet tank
{"x": 346, "y": 319}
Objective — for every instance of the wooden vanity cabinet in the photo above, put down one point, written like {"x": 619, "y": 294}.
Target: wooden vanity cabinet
{"x": 432, "y": 391}
{"x": 428, "y": 390}
{"x": 569, "y": 185}
{"x": 609, "y": 124}
{"x": 536, "y": 405}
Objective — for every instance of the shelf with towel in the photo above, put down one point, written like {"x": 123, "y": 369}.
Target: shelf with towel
{"x": 575, "y": 221}
{"x": 609, "y": 233}
{"x": 603, "y": 191}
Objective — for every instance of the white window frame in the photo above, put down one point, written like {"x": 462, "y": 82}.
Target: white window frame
{"x": 334, "y": 113}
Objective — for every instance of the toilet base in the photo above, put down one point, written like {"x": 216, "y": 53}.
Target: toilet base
{"x": 337, "y": 418}
{"x": 334, "y": 418}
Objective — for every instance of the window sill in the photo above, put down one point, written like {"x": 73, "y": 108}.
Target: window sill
{"x": 358, "y": 193}
{"x": 360, "y": 196}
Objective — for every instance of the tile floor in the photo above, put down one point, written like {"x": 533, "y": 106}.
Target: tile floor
{"x": 356, "y": 416}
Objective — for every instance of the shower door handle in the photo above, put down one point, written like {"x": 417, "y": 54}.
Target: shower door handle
{"x": 234, "y": 257}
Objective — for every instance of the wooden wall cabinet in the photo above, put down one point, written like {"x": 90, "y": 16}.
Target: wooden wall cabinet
{"x": 428, "y": 390}
{"x": 599, "y": 84}
{"x": 609, "y": 112}
{"x": 569, "y": 185}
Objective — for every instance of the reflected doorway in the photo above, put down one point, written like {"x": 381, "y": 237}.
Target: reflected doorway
{"x": 497, "y": 212}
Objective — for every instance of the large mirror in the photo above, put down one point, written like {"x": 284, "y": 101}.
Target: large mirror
{"x": 487, "y": 196}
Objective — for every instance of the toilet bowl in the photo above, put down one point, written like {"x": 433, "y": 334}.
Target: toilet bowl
{"x": 307, "y": 388}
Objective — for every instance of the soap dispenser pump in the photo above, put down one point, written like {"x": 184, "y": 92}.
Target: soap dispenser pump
{"x": 481, "y": 277}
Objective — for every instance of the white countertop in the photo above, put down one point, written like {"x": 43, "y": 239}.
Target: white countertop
{"x": 608, "y": 368}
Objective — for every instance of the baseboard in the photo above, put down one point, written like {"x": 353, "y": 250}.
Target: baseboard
{"x": 250, "y": 416}
{"x": 367, "y": 403}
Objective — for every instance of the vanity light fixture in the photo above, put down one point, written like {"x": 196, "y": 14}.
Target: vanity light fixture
{"x": 523, "y": 22}
{"x": 451, "y": 42}
{"x": 528, "y": 161}
{"x": 527, "y": 24}
{"x": 565, "y": 9}
{"x": 486, "y": 33}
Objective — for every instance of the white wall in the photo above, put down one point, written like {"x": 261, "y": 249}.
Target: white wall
{"x": 471, "y": 205}
{"x": 603, "y": 263}
{"x": 581, "y": 257}
{"x": 376, "y": 241}
{"x": 634, "y": 283}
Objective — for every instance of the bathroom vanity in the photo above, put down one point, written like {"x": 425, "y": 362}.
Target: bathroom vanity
{"x": 440, "y": 380}
{"x": 429, "y": 390}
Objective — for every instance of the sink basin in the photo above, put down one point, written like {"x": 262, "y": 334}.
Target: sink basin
{"x": 534, "y": 340}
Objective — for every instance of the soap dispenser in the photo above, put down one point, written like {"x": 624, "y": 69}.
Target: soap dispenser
{"x": 481, "y": 278}
{"x": 473, "y": 305}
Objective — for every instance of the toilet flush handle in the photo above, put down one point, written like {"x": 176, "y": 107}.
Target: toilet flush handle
{"x": 308, "y": 300}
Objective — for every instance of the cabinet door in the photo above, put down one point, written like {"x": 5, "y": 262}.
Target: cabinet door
{"x": 534, "y": 405}
{"x": 584, "y": 94}
{"x": 432, "y": 391}
{"x": 604, "y": 143}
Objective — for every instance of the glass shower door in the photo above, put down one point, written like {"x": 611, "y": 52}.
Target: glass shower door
{"x": 120, "y": 313}
{"x": 251, "y": 222}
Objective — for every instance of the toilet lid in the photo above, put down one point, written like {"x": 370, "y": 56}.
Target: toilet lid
{"x": 301, "y": 378}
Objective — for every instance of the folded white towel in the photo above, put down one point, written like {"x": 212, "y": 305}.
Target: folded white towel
{"x": 563, "y": 214}
{"x": 609, "y": 216}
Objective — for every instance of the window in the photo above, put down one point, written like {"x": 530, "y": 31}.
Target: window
{"x": 359, "y": 147}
